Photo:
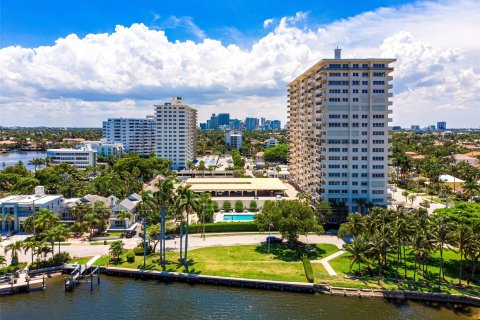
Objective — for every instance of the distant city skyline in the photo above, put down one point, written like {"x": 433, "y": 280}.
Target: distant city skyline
{"x": 74, "y": 65}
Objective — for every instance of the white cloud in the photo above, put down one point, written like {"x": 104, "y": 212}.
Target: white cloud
{"x": 82, "y": 81}
{"x": 267, "y": 22}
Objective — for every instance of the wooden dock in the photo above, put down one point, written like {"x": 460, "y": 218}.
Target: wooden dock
{"x": 24, "y": 286}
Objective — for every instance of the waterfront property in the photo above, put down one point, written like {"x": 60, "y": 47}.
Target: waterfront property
{"x": 16, "y": 209}
{"x": 81, "y": 158}
{"x": 338, "y": 136}
{"x": 104, "y": 149}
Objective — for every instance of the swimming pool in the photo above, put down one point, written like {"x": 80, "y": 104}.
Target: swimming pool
{"x": 239, "y": 217}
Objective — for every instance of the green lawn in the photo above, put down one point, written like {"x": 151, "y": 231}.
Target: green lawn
{"x": 81, "y": 260}
{"x": 341, "y": 265}
{"x": 100, "y": 243}
{"x": 249, "y": 261}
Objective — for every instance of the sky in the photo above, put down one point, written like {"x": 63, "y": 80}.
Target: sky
{"x": 76, "y": 63}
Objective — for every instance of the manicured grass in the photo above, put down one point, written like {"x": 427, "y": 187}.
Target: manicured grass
{"x": 249, "y": 261}
{"x": 100, "y": 243}
{"x": 81, "y": 260}
{"x": 341, "y": 265}
{"x": 102, "y": 261}
{"x": 61, "y": 244}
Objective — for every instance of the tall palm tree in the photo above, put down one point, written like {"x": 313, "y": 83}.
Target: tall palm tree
{"x": 191, "y": 204}
{"x": 462, "y": 236}
{"x": 61, "y": 234}
{"x": 144, "y": 208}
{"x": 441, "y": 231}
{"x": 163, "y": 198}
{"x": 14, "y": 247}
{"x": 31, "y": 244}
{"x": 179, "y": 207}
{"x": 46, "y": 220}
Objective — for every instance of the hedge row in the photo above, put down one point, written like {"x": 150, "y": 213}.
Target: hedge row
{"x": 221, "y": 227}
{"x": 308, "y": 270}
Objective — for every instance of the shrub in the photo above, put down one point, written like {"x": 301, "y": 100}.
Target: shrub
{"x": 227, "y": 205}
{"x": 12, "y": 269}
{"x": 222, "y": 227}
{"x": 215, "y": 206}
{"x": 253, "y": 206}
{"x": 130, "y": 257}
{"x": 238, "y": 206}
{"x": 308, "y": 270}
{"x": 138, "y": 250}
{"x": 57, "y": 260}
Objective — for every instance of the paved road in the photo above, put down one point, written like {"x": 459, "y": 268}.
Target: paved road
{"x": 84, "y": 249}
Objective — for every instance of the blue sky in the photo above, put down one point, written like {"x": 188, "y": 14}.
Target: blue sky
{"x": 34, "y": 23}
{"x": 76, "y": 63}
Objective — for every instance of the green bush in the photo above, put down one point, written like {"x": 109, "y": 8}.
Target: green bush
{"x": 222, "y": 227}
{"x": 57, "y": 260}
{"x": 308, "y": 270}
{"x": 138, "y": 250}
{"x": 238, "y": 206}
{"x": 130, "y": 257}
{"x": 227, "y": 205}
{"x": 12, "y": 269}
{"x": 215, "y": 206}
{"x": 253, "y": 206}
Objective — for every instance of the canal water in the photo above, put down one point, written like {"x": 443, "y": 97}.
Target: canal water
{"x": 12, "y": 158}
{"x": 124, "y": 298}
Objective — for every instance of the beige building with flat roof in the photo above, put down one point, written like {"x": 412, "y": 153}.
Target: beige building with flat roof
{"x": 338, "y": 130}
{"x": 238, "y": 187}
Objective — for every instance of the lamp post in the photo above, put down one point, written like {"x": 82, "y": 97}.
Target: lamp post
{"x": 144, "y": 222}
{"x": 269, "y": 235}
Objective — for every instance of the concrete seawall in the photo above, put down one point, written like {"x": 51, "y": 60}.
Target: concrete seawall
{"x": 291, "y": 286}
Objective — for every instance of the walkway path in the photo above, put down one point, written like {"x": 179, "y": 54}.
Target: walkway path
{"x": 327, "y": 265}
{"x": 91, "y": 261}
{"x": 396, "y": 194}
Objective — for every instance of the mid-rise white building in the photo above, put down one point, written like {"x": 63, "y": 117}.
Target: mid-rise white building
{"x": 175, "y": 129}
{"x": 338, "y": 130}
{"x": 81, "y": 158}
{"x": 233, "y": 139}
{"x": 136, "y": 135}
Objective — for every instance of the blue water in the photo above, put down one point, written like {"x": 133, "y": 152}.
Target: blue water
{"x": 12, "y": 158}
{"x": 238, "y": 217}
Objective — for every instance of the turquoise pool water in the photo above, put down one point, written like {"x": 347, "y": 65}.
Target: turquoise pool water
{"x": 238, "y": 217}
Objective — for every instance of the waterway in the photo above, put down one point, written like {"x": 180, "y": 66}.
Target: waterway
{"x": 12, "y": 158}
{"x": 124, "y": 298}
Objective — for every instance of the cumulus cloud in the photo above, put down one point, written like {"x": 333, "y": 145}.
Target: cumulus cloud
{"x": 80, "y": 81}
{"x": 267, "y": 22}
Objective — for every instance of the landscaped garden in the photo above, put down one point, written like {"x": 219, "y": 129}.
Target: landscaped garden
{"x": 247, "y": 261}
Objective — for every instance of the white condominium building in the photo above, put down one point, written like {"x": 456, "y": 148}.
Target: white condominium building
{"x": 176, "y": 125}
{"x": 136, "y": 135}
{"x": 338, "y": 130}
{"x": 81, "y": 158}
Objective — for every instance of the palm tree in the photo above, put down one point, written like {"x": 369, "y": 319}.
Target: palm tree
{"x": 353, "y": 227}
{"x": 45, "y": 220}
{"x": 412, "y": 197}
{"x": 36, "y": 162}
{"x": 62, "y": 232}
{"x": 358, "y": 249}
{"x": 471, "y": 189}
{"x": 31, "y": 244}
{"x": 3, "y": 261}
{"x": 441, "y": 231}
{"x": 144, "y": 207}
{"x": 124, "y": 215}
{"x": 91, "y": 220}
{"x": 201, "y": 167}
{"x": 102, "y": 212}
{"x": 191, "y": 204}
{"x": 163, "y": 198}
{"x": 8, "y": 218}
{"x": 463, "y": 235}
{"x": 14, "y": 247}
{"x": 179, "y": 207}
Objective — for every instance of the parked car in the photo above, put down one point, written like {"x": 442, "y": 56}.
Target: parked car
{"x": 130, "y": 234}
{"x": 273, "y": 240}
{"x": 170, "y": 236}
